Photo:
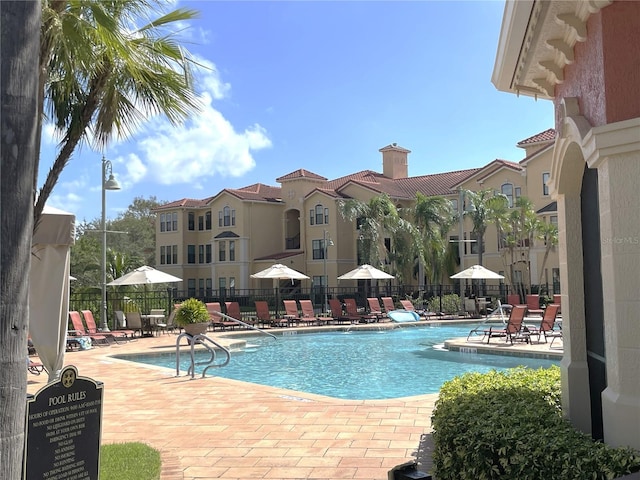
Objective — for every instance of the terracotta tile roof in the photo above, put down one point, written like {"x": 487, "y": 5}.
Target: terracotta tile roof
{"x": 546, "y": 136}
{"x": 494, "y": 166}
{"x": 256, "y": 192}
{"x": 184, "y": 203}
{"x": 537, "y": 152}
{"x": 300, "y": 173}
{"x": 279, "y": 255}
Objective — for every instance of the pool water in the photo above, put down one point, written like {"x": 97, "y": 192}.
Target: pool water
{"x": 355, "y": 365}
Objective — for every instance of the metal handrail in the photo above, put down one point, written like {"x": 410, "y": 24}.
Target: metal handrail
{"x": 200, "y": 339}
{"x": 253, "y": 327}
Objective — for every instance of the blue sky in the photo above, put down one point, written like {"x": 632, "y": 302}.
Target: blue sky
{"x": 321, "y": 86}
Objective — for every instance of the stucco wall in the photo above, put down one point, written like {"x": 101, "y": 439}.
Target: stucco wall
{"x": 606, "y": 85}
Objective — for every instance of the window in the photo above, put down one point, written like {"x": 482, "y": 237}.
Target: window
{"x": 200, "y": 222}
{"x": 232, "y": 250}
{"x": 169, "y": 255}
{"x": 545, "y": 183}
{"x": 207, "y": 221}
{"x": 201, "y": 287}
{"x": 191, "y": 287}
{"x": 200, "y": 253}
{"x": 207, "y": 254}
{"x": 232, "y": 285}
{"x": 318, "y": 249}
{"x": 169, "y": 222}
{"x": 191, "y": 221}
{"x": 553, "y": 219}
{"x": 209, "y": 287}
{"x": 319, "y": 215}
{"x": 507, "y": 191}
{"x": 518, "y": 192}
{"x": 191, "y": 254}
{"x": 454, "y": 205}
{"x": 226, "y": 217}
{"x": 222, "y": 283}
{"x": 222, "y": 251}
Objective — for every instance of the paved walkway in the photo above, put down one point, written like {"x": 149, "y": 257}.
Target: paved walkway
{"x": 225, "y": 429}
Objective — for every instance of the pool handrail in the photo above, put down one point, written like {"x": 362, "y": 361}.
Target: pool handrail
{"x": 248, "y": 325}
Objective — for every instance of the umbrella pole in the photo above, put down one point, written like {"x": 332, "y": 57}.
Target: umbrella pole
{"x": 277, "y": 295}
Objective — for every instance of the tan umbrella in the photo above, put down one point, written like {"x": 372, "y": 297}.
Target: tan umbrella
{"x": 477, "y": 272}
{"x": 279, "y": 272}
{"x": 365, "y": 272}
{"x": 144, "y": 275}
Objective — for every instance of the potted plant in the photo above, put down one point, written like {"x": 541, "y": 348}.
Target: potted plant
{"x": 193, "y": 316}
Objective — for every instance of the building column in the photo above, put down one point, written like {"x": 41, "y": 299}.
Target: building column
{"x": 615, "y": 151}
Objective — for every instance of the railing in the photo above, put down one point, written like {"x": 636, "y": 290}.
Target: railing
{"x": 137, "y": 300}
{"x": 194, "y": 340}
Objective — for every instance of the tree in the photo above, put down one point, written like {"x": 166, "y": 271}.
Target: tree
{"x": 376, "y": 219}
{"x": 19, "y": 43}
{"x": 480, "y": 209}
{"x": 104, "y": 74}
{"x": 433, "y": 217}
{"x": 548, "y": 233}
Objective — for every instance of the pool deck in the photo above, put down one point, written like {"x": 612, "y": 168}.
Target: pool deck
{"x": 226, "y": 429}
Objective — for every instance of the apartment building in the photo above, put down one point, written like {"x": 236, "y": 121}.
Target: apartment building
{"x": 216, "y": 243}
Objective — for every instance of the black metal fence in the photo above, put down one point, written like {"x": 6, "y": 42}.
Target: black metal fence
{"x": 136, "y": 299}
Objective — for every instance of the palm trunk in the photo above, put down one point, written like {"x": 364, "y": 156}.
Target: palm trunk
{"x": 20, "y": 43}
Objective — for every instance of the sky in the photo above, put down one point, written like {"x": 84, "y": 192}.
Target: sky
{"x": 319, "y": 85}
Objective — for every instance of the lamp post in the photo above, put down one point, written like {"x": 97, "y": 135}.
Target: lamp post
{"x": 325, "y": 246}
{"x": 109, "y": 183}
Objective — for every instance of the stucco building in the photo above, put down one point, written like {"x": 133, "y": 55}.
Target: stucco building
{"x": 584, "y": 56}
{"x": 216, "y": 243}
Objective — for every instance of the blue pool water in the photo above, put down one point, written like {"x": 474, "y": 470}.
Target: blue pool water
{"x": 355, "y": 365}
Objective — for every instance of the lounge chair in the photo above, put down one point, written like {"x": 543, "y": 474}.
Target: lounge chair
{"x": 233, "y": 311}
{"x": 351, "y": 307}
{"x": 308, "y": 315}
{"x": 533, "y": 305}
{"x": 80, "y": 331}
{"x": 292, "y": 316}
{"x": 263, "y": 315}
{"x": 557, "y": 300}
{"x": 375, "y": 308}
{"x": 337, "y": 315}
{"x": 388, "y": 304}
{"x": 407, "y": 305}
{"x": 36, "y": 368}
{"x": 547, "y": 324}
{"x": 117, "y": 335}
{"x": 513, "y": 329}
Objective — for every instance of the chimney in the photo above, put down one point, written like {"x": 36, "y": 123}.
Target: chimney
{"x": 395, "y": 161}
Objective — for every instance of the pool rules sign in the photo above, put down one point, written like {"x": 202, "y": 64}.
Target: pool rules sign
{"x": 63, "y": 429}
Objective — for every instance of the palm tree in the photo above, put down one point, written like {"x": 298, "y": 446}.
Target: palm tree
{"x": 548, "y": 232}
{"x": 19, "y": 43}
{"x": 433, "y": 217}
{"x": 482, "y": 205}
{"x": 101, "y": 73}
{"x": 375, "y": 218}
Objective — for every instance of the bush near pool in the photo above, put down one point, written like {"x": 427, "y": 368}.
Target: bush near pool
{"x": 509, "y": 425}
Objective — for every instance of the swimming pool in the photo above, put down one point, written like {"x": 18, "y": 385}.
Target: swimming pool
{"x": 355, "y": 365}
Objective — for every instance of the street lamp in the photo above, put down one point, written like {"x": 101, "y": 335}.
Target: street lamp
{"x": 325, "y": 246}
{"x": 108, "y": 183}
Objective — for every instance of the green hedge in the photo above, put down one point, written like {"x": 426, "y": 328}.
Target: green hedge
{"x": 450, "y": 304}
{"x": 509, "y": 425}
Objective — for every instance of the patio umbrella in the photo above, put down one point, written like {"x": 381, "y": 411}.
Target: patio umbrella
{"x": 279, "y": 272}
{"x": 365, "y": 272}
{"x": 477, "y": 272}
{"x": 144, "y": 275}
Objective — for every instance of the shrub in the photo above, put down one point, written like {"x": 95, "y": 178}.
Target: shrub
{"x": 509, "y": 425}
{"x": 450, "y": 304}
{"x": 191, "y": 311}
